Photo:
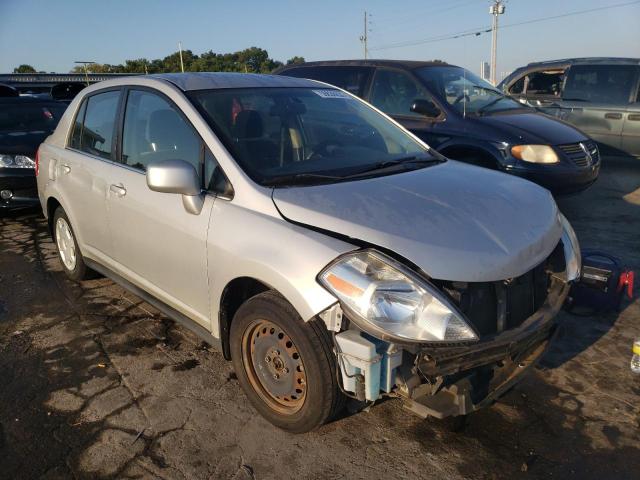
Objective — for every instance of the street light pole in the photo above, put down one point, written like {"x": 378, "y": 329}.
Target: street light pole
{"x": 496, "y": 9}
{"x": 181, "y": 62}
{"x": 86, "y": 71}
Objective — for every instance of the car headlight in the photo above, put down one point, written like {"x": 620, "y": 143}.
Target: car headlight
{"x": 535, "y": 153}
{"x": 16, "y": 161}
{"x": 389, "y": 301}
{"x": 571, "y": 247}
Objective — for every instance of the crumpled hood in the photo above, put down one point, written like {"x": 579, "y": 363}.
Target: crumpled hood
{"x": 454, "y": 221}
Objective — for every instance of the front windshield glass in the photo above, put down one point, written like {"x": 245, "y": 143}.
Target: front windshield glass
{"x": 287, "y": 136}
{"x": 464, "y": 91}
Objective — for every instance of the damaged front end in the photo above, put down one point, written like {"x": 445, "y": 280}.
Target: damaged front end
{"x": 477, "y": 340}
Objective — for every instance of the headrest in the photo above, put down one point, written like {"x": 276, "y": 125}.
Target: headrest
{"x": 248, "y": 125}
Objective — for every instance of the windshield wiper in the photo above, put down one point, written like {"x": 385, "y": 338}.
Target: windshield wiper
{"x": 410, "y": 160}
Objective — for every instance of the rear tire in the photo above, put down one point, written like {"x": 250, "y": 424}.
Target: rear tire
{"x": 285, "y": 366}
{"x": 68, "y": 251}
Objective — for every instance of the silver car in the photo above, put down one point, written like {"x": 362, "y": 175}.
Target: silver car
{"x": 321, "y": 247}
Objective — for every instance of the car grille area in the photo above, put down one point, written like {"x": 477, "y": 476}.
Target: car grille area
{"x": 582, "y": 154}
{"x": 493, "y": 307}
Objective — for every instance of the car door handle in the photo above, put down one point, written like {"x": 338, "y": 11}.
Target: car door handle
{"x": 119, "y": 190}
{"x": 634, "y": 117}
{"x": 613, "y": 116}
{"x": 66, "y": 169}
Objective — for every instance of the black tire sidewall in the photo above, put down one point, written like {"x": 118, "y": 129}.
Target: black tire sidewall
{"x": 321, "y": 384}
{"x": 80, "y": 270}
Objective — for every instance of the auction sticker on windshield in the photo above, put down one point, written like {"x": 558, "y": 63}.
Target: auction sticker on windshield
{"x": 331, "y": 93}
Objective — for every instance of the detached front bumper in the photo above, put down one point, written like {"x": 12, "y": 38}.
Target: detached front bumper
{"x": 452, "y": 381}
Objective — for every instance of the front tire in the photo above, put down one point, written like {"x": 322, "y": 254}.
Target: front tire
{"x": 68, "y": 251}
{"x": 285, "y": 366}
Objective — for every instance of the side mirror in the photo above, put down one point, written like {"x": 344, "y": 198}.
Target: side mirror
{"x": 426, "y": 108}
{"x": 177, "y": 176}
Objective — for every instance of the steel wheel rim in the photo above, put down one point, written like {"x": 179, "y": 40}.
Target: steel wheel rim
{"x": 66, "y": 244}
{"x": 274, "y": 366}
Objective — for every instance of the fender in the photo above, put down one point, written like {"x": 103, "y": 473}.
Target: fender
{"x": 238, "y": 251}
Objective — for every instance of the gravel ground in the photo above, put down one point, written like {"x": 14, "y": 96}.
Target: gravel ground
{"x": 95, "y": 383}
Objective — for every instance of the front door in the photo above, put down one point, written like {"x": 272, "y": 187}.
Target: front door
{"x": 393, "y": 91}
{"x": 159, "y": 245}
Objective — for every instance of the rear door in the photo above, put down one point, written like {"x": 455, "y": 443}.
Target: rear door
{"x": 158, "y": 245}
{"x": 84, "y": 169}
{"x": 596, "y": 98}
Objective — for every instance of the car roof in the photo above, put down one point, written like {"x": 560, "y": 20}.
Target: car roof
{"x": 404, "y": 64}
{"x": 220, "y": 80}
{"x": 588, "y": 61}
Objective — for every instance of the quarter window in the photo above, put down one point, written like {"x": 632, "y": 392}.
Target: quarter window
{"x": 394, "y": 92}
{"x": 155, "y": 131}
{"x": 99, "y": 120}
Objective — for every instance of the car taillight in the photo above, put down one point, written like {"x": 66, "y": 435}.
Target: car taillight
{"x": 37, "y": 161}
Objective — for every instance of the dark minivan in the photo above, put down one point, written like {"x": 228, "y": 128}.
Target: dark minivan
{"x": 600, "y": 96}
{"x": 465, "y": 118}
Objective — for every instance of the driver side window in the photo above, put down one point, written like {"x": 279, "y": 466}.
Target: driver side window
{"x": 155, "y": 131}
{"x": 394, "y": 92}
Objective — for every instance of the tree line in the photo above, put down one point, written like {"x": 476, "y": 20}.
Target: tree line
{"x": 249, "y": 60}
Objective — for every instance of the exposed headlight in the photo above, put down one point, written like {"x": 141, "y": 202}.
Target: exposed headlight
{"x": 535, "y": 153}
{"x": 16, "y": 161}
{"x": 571, "y": 247}
{"x": 391, "y": 302}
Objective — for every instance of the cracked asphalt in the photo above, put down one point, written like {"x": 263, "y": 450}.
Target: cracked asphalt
{"x": 95, "y": 383}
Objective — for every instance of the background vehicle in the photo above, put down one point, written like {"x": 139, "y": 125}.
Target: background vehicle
{"x": 465, "y": 118}
{"x": 324, "y": 249}
{"x": 24, "y": 123}
{"x": 601, "y": 96}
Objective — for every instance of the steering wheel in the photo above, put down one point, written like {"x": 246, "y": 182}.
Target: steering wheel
{"x": 460, "y": 97}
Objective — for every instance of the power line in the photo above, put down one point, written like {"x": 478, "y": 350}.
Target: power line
{"x": 394, "y": 25}
{"x": 486, "y": 29}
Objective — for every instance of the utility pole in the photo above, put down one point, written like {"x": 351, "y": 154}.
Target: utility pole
{"x": 364, "y": 38}
{"x": 496, "y": 9}
{"x": 181, "y": 63}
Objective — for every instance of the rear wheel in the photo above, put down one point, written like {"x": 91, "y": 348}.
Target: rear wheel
{"x": 285, "y": 365}
{"x": 68, "y": 251}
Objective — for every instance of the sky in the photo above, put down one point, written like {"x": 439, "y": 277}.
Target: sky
{"x": 51, "y": 35}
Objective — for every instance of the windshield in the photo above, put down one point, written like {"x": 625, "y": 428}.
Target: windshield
{"x": 30, "y": 117}
{"x": 464, "y": 91}
{"x": 286, "y": 136}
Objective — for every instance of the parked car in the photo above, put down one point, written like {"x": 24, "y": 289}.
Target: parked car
{"x": 325, "y": 250}
{"x": 465, "y": 118}
{"x": 601, "y": 96}
{"x": 24, "y": 124}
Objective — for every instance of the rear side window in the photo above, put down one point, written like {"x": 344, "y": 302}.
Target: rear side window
{"x": 155, "y": 131}
{"x": 96, "y": 134}
{"x": 600, "y": 83}
{"x": 351, "y": 79}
